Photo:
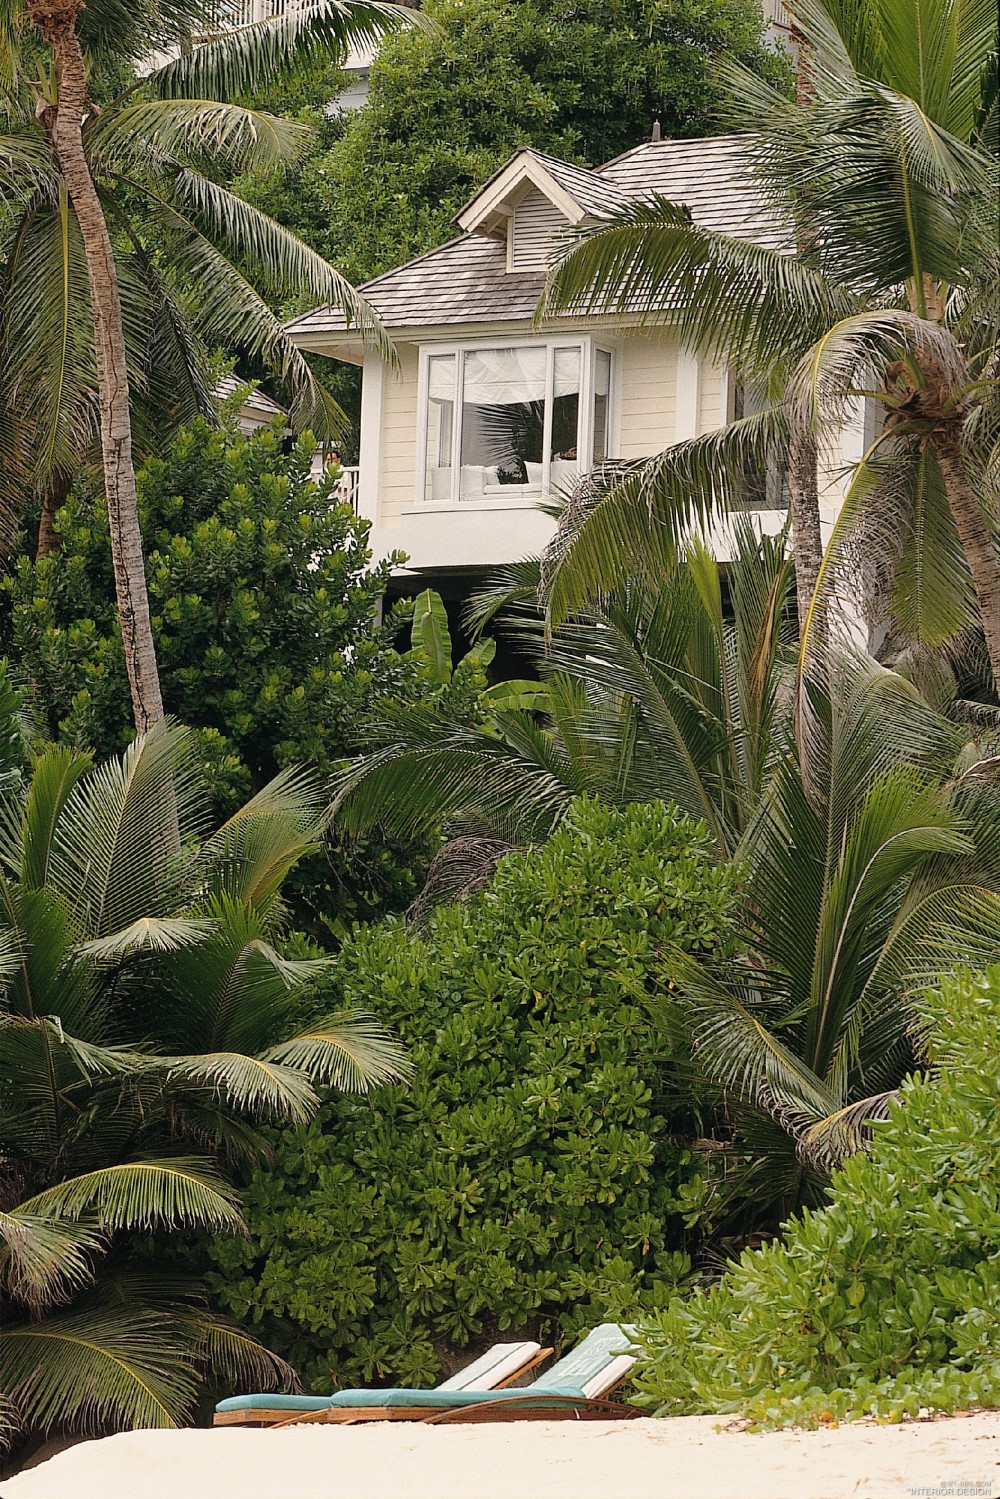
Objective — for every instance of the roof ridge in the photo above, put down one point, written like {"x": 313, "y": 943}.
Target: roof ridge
{"x": 672, "y": 140}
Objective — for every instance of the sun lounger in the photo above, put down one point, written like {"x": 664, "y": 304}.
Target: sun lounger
{"x": 496, "y": 1368}
{"x": 577, "y": 1386}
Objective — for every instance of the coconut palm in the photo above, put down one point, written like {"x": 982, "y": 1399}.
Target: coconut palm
{"x": 884, "y": 179}
{"x": 149, "y": 1028}
{"x": 653, "y": 692}
{"x": 849, "y": 906}
{"x": 122, "y": 255}
{"x": 866, "y": 874}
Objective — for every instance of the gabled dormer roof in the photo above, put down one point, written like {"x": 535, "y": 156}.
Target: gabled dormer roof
{"x": 577, "y": 193}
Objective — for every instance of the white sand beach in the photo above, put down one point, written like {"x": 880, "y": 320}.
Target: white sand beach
{"x": 684, "y": 1458}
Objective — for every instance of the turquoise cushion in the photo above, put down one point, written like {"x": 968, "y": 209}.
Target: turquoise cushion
{"x": 443, "y": 1399}
{"x": 363, "y": 1399}
{"x": 274, "y": 1403}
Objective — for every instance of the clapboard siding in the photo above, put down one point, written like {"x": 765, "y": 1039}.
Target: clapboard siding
{"x": 534, "y": 224}
{"x": 399, "y": 437}
{"x": 648, "y": 392}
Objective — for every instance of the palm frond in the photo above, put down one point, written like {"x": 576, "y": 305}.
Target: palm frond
{"x": 231, "y": 313}
{"x": 249, "y": 856}
{"x": 164, "y": 1193}
{"x": 737, "y": 1047}
{"x": 43, "y": 1261}
{"x": 115, "y": 853}
{"x": 247, "y": 59}
{"x": 350, "y": 1051}
{"x": 89, "y": 1370}
{"x": 147, "y": 934}
{"x": 859, "y": 348}
{"x": 257, "y": 1086}
{"x": 632, "y": 517}
{"x": 158, "y": 130}
{"x": 433, "y": 770}
{"x": 286, "y": 260}
{"x": 825, "y": 1143}
{"x": 753, "y": 306}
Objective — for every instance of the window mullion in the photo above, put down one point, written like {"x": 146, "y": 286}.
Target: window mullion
{"x": 550, "y": 360}
{"x": 456, "y": 436}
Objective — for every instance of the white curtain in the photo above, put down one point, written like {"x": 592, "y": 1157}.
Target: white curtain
{"x": 566, "y": 372}
{"x": 441, "y": 377}
{"x": 504, "y": 377}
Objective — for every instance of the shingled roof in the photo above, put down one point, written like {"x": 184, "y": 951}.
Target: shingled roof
{"x": 467, "y": 281}
{"x": 711, "y": 177}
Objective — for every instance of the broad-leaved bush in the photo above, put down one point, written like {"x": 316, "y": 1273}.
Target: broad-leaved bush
{"x": 886, "y": 1302}
{"x": 536, "y": 1174}
{"x": 264, "y": 610}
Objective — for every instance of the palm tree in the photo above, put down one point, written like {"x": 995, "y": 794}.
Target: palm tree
{"x": 868, "y": 870}
{"x": 150, "y": 1027}
{"x": 885, "y": 180}
{"x": 851, "y": 903}
{"x": 122, "y": 255}
{"x": 651, "y": 693}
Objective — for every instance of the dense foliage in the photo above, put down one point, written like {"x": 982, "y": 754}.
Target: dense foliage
{"x": 870, "y": 850}
{"x": 149, "y": 1021}
{"x": 886, "y": 1302}
{"x": 449, "y": 104}
{"x": 263, "y": 610}
{"x": 536, "y": 1173}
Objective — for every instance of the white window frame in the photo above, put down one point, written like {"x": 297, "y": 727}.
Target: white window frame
{"x": 587, "y": 346}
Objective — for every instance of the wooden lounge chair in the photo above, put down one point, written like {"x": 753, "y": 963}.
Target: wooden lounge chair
{"x": 576, "y": 1387}
{"x": 496, "y": 1368}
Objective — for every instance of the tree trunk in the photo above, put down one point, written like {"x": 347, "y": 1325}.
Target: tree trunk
{"x": 975, "y": 534}
{"x": 807, "y": 536}
{"x": 56, "y": 20}
{"x": 803, "y": 455}
{"x": 53, "y": 498}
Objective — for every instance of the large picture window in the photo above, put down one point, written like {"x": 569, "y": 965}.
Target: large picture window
{"x": 510, "y": 422}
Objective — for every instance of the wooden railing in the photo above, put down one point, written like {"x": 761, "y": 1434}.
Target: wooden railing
{"x": 347, "y": 489}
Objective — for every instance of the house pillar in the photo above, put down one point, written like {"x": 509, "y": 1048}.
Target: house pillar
{"x": 370, "y": 437}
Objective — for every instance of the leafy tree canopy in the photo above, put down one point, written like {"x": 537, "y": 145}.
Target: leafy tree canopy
{"x": 264, "y": 611}
{"x": 584, "y": 81}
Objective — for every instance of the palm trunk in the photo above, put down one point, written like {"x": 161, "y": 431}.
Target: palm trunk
{"x": 53, "y": 498}
{"x": 976, "y": 537}
{"x": 56, "y": 20}
{"x": 803, "y": 455}
{"x": 807, "y": 535}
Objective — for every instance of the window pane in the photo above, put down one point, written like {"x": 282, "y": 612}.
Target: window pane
{"x": 503, "y": 421}
{"x": 565, "y": 418}
{"x": 602, "y": 404}
{"x": 440, "y": 427}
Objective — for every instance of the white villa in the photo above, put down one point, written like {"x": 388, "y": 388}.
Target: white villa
{"x": 488, "y": 416}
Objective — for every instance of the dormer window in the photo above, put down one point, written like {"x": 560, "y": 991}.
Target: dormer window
{"x": 512, "y": 421}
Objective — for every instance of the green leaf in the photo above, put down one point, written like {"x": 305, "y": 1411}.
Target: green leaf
{"x": 430, "y": 636}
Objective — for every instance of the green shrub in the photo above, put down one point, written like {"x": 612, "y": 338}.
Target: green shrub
{"x": 887, "y": 1301}
{"x": 535, "y": 1174}
{"x": 264, "y": 613}
{"x": 262, "y": 602}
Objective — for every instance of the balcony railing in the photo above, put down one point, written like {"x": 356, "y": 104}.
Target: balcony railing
{"x": 347, "y": 485}
{"x": 230, "y": 13}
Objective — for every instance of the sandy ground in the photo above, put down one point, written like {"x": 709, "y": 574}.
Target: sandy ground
{"x": 685, "y": 1458}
